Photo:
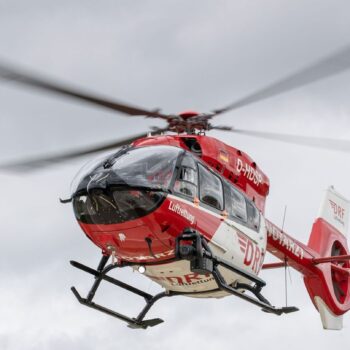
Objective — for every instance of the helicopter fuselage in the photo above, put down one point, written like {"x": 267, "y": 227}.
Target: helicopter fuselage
{"x": 135, "y": 204}
{"x": 150, "y": 242}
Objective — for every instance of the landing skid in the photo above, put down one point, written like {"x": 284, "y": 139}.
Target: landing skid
{"x": 202, "y": 261}
{"x": 101, "y": 274}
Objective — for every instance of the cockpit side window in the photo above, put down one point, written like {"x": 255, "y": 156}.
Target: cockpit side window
{"x": 235, "y": 204}
{"x": 210, "y": 188}
{"x": 241, "y": 209}
{"x": 253, "y": 217}
{"x": 187, "y": 180}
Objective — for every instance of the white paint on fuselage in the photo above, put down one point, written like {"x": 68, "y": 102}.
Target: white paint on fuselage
{"x": 177, "y": 276}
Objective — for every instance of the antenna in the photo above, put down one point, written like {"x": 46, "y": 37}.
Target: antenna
{"x": 285, "y": 260}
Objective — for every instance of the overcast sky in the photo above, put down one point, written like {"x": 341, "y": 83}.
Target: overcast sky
{"x": 175, "y": 55}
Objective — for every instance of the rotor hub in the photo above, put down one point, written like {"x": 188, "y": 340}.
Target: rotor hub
{"x": 188, "y": 114}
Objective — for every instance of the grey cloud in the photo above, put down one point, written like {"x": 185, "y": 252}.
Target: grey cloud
{"x": 174, "y": 55}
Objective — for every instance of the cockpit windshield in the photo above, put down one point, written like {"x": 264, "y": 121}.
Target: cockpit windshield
{"x": 126, "y": 185}
{"x": 147, "y": 167}
{"x": 150, "y": 167}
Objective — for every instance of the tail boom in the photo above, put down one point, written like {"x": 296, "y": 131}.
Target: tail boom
{"x": 286, "y": 248}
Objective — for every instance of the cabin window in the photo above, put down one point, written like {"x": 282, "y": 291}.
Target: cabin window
{"x": 187, "y": 179}
{"x": 253, "y": 217}
{"x": 210, "y": 188}
{"x": 235, "y": 204}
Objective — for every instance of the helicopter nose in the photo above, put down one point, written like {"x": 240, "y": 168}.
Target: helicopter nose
{"x": 121, "y": 222}
{"x": 130, "y": 242}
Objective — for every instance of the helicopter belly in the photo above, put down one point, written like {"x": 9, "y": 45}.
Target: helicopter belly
{"x": 178, "y": 277}
{"x": 228, "y": 243}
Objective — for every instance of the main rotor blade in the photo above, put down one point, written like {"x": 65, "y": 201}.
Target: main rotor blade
{"x": 324, "y": 68}
{"x": 330, "y": 144}
{"x": 13, "y": 74}
{"x": 34, "y": 163}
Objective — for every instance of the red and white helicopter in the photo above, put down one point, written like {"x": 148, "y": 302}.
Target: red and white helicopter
{"x": 187, "y": 210}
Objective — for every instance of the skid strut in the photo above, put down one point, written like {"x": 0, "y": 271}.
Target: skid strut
{"x": 101, "y": 274}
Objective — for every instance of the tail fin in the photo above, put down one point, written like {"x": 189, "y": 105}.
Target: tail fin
{"x": 330, "y": 289}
